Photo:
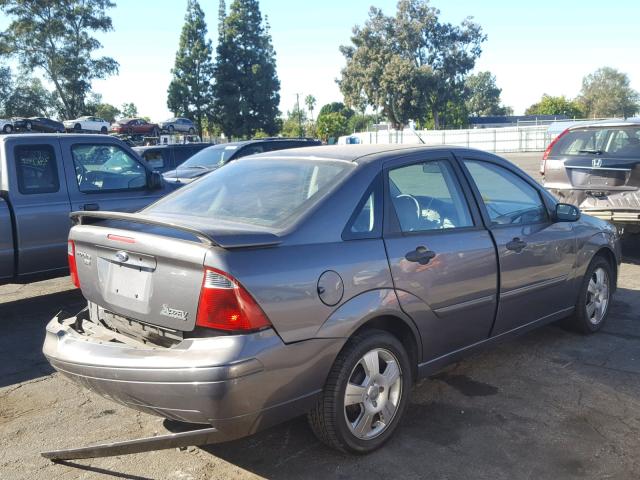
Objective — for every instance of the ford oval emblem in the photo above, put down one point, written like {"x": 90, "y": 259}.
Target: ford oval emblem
{"x": 122, "y": 256}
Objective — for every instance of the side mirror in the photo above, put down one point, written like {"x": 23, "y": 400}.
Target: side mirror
{"x": 155, "y": 181}
{"x": 567, "y": 213}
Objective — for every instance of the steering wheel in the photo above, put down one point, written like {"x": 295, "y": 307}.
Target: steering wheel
{"x": 81, "y": 172}
{"x": 406, "y": 195}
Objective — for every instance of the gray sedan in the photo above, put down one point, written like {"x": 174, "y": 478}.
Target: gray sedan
{"x": 325, "y": 281}
{"x": 178, "y": 125}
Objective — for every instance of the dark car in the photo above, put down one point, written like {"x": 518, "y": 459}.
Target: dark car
{"x": 323, "y": 280}
{"x": 218, "y": 155}
{"x": 38, "y": 124}
{"x": 595, "y": 166}
{"x": 135, "y": 126}
{"x": 162, "y": 158}
{"x": 179, "y": 125}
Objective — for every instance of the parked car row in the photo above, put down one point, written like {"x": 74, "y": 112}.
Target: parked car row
{"x": 93, "y": 124}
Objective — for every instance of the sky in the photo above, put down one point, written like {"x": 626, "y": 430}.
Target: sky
{"x": 544, "y": 46}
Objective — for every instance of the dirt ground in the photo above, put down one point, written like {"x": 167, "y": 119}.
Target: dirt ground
{"x": 550, "y": 405}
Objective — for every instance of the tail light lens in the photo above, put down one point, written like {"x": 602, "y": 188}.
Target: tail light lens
{"x": 73, "y": 267}
{"x": 547, "y": 152}
{"x": 226, "y": 305}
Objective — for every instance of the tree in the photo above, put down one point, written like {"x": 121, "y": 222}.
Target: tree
{"x": 246, "y": 88}
{"x": 607, "y": 93}
{"x": 129, "y": 110}
{"x": 331, "y": 125}
{"x": 293, "y": 126}
{"x": 28, "y": 98}
{"x": 550, "y": 105}
{"x": 337, "y": 107}
{"x": 310, "y": 102}
{"x": 409, "y": 63}
{"x": 56, "y": 38}
{"x": 483, "y": 95}
{"x": 190, "y": 92}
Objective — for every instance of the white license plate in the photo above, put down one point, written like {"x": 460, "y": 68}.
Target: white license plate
{"x": 128, "y": 282}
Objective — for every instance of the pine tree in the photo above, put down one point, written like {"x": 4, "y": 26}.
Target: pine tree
{"x": 190, "y": 92}
{"x": 246, "y": 83}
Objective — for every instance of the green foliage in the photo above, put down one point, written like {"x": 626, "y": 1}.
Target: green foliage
{"x": 246, "y": 84}
{"x": 331, "y": 125}
{"x": 55, "y": 37}
{"x": 294, "y": 125}
{"x": 28, "y": 98}
{"x": 410, "y": 63}
{"x": 483, "y": 95}
{"x": 336, "y": 107}
{"x": 360, "y": 123}
{"x": 190, "y": 92}
{"x": 550, "y": 105}
{"x": 260, "y": 134}
{"x": 107, "y": 112}
{"x": 607, "y": 93}
{"x": 129, "y": 110}
{"x": 310, "y": 102}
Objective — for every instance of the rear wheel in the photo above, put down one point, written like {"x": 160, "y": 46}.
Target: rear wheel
{"x": 103, "y": 130}
{"x": 77, "y": 127}
{"x": 7, "y": 129}
{"x": 192, "y": 131}
{"x": 171, "y": 129}
{"x": 28, "y": 125}
{"x": 594, "y": 299}
{"x": 365, "y": 395}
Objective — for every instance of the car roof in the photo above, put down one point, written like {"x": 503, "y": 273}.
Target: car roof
{"x": 355, "y": 153}
{"x": 628, "y": 122}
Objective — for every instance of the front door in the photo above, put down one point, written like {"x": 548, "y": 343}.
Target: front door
{"x": 536, "y": 254}
{"x": 442, "y": 259}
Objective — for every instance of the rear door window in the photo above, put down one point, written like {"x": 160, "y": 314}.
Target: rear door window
{"x": 103, "y": 167}
{"x": 36, "y": 169}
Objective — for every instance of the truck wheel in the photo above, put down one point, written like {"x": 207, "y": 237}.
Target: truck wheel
{"x": 594, "y": 299}
{"x": 365, "y": 395}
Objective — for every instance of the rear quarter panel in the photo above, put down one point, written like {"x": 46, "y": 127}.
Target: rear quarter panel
{"x": 6, "y": 242}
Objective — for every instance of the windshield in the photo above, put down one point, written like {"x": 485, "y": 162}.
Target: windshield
{"x": 612, "y": 141}
{"x": 262, "y": 192}
{"x": 211, "y": 157}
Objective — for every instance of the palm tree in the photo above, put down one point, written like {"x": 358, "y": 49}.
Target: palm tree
{"x": 310, "y": 102}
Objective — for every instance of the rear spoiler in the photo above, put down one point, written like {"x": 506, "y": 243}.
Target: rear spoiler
{"x": 79, "y": 218}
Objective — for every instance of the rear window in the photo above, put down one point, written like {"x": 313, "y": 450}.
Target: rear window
{"x": 263, "y": 192}
{"x": 612, "y": 141}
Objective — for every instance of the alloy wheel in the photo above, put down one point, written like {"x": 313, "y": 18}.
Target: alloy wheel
{"x": 598, "y": 292}
{"x": 373, "y": 394}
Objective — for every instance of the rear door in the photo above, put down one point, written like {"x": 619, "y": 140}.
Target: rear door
{"x": 442, "y": 259}
{"x": 38, "y": 194}
{"x": 536, "y": 255}
{"x": 106, "y": 175}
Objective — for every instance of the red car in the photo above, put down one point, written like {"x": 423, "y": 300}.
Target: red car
{"x": 135, "y": 126}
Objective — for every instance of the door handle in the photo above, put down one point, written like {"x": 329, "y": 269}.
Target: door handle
{"x": 516, "y": 245}
{"x": 91, "y": 207}
{"x": 421, "y": 255}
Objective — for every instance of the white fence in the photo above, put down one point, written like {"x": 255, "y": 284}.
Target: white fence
{"x": 506, "y": 139}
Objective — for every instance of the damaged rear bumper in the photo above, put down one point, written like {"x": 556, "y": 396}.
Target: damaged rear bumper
{"x": 616, "y": 206}
{"x": 236, "y": 383}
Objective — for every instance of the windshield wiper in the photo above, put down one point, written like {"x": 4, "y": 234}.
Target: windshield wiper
{"x": 202, "y": 167}
{"x": 595, "y": 152}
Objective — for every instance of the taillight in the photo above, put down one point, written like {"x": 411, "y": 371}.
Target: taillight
{"x": 547, "y": 152}
{"x": 73, "y": 267}
{"x": 226, "y": 305}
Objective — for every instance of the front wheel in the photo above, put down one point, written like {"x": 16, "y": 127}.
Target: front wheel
{"x": 192, "y": 131}
{"x": 594, "y": 299}
{"x": 103, "y": 130}
{"x": 7, "y": 129}
{"x": 366, "y": 394}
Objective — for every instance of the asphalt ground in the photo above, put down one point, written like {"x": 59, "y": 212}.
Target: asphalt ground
{"x": 550, "y": 405}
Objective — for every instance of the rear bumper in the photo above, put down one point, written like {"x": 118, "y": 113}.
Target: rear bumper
{"x": 621, "y": 207}
{"x": 237, "y": 383}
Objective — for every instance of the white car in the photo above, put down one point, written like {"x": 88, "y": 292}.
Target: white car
{"x": 6, "y": 126}
{"x": 90, "y": 124}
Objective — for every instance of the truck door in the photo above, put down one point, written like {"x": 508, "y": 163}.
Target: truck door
{"x": 40, "y": 202}
{"x": 106, "y": 175}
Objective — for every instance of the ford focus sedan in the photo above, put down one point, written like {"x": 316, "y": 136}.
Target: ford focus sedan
{"x": 323, "y": 281}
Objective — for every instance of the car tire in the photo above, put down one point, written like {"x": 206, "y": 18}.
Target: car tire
{"x": 594, "y": 298}
{"x": 361, "y": 426}
{"x": 171, "y": 129}
{"x": 7, "y": 129}
{"x": 77, "y": 127}
{"x": 28, "y": 126}
{"x": 192, "y": 131}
